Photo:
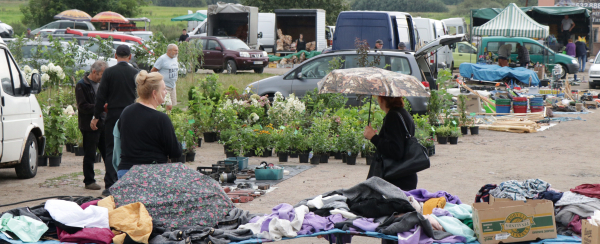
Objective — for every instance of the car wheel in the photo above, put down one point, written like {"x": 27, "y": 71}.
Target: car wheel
{"x": 564, "y": 71}
{"x": 218, "y": 71}
{"x": 28, "y": 167}
{"x": 259, "y": 70}
{"x": 231, "y": 67}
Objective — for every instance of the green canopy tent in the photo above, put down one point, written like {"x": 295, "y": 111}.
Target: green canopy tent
{"x": 512, "y": 22}
{"x": 483, "y": 15}
{"x": 190, "y": 17}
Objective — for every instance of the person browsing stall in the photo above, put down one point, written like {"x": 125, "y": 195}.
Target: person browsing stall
{"x": 523, "y": 55}
{"x": 504, "y": 54}
{"x": 390, "y": 142}
{"x": 147, "y": 135}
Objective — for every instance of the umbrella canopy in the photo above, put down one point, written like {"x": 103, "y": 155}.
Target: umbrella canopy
{"x": 173, "y": 194}
{"x": 372, "y": 81}
{"x": 73, "y": 14}
{"x": 191, "y": 17}
{"x": 111, "y": 17}
{"x": 512, "y": 22}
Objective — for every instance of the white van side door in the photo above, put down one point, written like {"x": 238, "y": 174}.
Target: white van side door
{"x": 16, "y": 110}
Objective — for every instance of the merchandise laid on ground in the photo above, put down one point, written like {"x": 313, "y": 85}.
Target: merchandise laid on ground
{"x": 197, "y": 210}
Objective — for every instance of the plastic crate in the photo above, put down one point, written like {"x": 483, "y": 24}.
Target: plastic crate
{"x": 241, "y": 161}
{"x": 268, "y": 174}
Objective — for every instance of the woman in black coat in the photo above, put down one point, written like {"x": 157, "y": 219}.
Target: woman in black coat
{"x": 391, "y": 139}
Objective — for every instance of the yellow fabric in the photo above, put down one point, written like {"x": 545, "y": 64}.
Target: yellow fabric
{"x": 432, "y": 203}
{"x": 132, "y": 219}
{"x": 107, "y": 202}
{"x": 581, "y": 38}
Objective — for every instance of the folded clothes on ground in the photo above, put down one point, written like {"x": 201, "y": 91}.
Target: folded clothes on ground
{"x": 517, "y": 190}
{"x": 71, "y": 214}
{"x": 285, "y": 221}
{"x": 25, "y": 228}
{"x": 423, "y": 195}
{"x": 459, "y": 211}
{"x": 590, "y": 190}
{"x": 569, "y": 198}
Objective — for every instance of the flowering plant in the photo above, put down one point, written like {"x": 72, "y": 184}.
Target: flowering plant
{"x": 264, "y": 138}
{"x": 284, "y": 111}
{"x": 52, "y": 73}
{"x": 226, "y": 114}
{"x": 27, "y": 72}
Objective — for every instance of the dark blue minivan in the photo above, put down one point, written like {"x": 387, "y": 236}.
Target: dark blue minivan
{"x": 390, "y": 27}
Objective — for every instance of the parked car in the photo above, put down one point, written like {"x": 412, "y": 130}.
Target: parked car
{"x": 105, "y": 35}
{"x": 31, "y": 47}
{"x": 22, "y": 122}
{"x": 537, "y": 52}
{"x": 304, "y": 77}
{"x": 63, "y": 24}
{"x": 6, "y": 31}
{"x": 145, "y": 35}
{"x": 266, "y": 32}
{"x": 594, "y": 72}
{"x": 464, "y": 52}
{"x": 47, "y": 32}
{"x": 429, "y": 30}
{"x": 230, "y": 54}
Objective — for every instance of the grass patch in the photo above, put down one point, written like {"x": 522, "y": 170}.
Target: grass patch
{"x": 163, "y": 15}
{"x": 239, "y": 81}
{"x": 72, "y": 179}
{"x": 10, "y": 12}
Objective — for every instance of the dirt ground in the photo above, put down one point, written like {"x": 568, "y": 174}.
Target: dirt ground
{"x": 563, "y": 155}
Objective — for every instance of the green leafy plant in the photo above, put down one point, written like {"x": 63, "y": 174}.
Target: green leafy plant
{"x": 319, "y": 133}
{"x": 318, "y": 104}
{"x": 54, "y": 123}
{"x": 455, "y": 132}
{"x": 184, "y": 130}
{"x": 443, "y": 131}
{"x": 283, "y": 139}
{"x": 335, "y": 63}
{"x": 462, "y": 109}
{"x": 264, "y": 138}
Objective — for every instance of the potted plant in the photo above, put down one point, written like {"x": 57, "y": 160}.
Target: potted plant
{"x": 283, "y": 142}
{"x": 319, "y": 134}
{"x": 369, "y": 151}
{"x": 473, "y": 127}
{"x": 71, "y": 130}
{"x": 442, "y": 133}
{"x": 430, "y": 145}
{"x": 247, "y": 138}
{"x": 78, "y": 148}
{"x": 462, "y": 109}
{"x": 454, "y": 134}
{"x": 302, "y": 146}
{"x": 55, "y": 134}
{"x": 264, "y": 141}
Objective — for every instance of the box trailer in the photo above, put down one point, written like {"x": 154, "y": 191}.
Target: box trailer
{"x": 308, "y": 22}
{"x": 228, "y": 19}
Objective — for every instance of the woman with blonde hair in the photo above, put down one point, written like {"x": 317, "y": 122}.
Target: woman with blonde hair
{"x": 147, "y": 135}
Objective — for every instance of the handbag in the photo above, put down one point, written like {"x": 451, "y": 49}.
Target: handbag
{"x": 415, "y": 159}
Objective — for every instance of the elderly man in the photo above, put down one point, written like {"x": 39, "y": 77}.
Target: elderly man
{"x": 168, "y": 66}
{"x": 504, "y": 54}
{"x": 85, "y": 93}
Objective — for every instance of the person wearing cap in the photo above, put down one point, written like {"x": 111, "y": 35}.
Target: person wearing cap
{"x": 29, "y": 35}
{"x": 379, "y": 44}
{"x": 401, "y": 46}
{"x": 117, "y": 90}
{"x": 168, "y": 66}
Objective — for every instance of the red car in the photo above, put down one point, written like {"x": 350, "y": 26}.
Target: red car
{"x": 230, "y": 54}
{"x": 105, "y": 35}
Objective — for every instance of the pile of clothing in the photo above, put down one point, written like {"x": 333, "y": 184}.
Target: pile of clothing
{"x": 570, "y": 206}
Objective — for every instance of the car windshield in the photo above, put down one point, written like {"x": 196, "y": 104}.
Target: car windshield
{"x": 234, "y": 44}
{"x": 597, "y": 61}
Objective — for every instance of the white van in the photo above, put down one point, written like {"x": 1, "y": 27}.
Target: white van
{"x": 266, "y": 32}
{"x": 429, "y": 30}
{"x": 22, "y": 123}
{"x": 456, "y": 26}
{"x": 193, "y": 24}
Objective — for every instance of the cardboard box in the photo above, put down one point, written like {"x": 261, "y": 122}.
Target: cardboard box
{"x": 473, "y": 103}
{"x": 513, "y": 221}
{"x": 590, "y": 234}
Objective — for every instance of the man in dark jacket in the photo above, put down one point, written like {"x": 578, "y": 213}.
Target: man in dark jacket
{"x": 184, "y": 36}
{"x": 117, "y": 90}
{"x": 581, "y": 54}
{"x": 85, "y": 93}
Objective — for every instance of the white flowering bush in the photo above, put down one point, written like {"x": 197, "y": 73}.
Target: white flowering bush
{"x": 27, "y": 72}
{"x": 52, "y": 73}
{"x": 284, "y": 111}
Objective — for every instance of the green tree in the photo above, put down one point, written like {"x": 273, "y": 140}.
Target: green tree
{"x": 332, "y": 7}
{"x": 40, "y": 12}
{"x": 180, "y": 3}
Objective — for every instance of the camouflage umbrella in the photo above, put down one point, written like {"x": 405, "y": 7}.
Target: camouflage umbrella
{"x": 372, "y": 81}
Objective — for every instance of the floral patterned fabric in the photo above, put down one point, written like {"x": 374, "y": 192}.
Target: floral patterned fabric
{"x": 173, "y": 194}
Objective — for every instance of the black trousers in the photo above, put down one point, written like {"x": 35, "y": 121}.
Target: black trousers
{"x": 566, "y": 35}
{"x": 109, "y": 125}
{"x": 92, "y": 140}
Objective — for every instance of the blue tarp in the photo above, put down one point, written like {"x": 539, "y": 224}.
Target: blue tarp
{"x": 495, "y": 73}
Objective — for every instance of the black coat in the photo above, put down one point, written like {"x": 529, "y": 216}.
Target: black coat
{"x": 580, "y": 49}
{"x": 86, "y": 98}
{"x": 117, "y": 89}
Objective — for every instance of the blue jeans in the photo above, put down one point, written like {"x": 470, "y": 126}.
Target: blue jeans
{"x": 582, "y": 60}
{"x": 121, "y": 173}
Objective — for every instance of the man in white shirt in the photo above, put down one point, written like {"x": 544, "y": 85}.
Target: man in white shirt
{"x": 503, "y": 54}
{"x": 168, "y": 66}
{"x": 567, "y": 26}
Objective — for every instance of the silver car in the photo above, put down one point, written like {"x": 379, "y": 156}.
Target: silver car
{"x": 304, "y": 77}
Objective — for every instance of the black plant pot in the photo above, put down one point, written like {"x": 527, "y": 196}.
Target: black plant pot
{"x": 331, "y": 154}
{"x": 268, "y": 152}
{"x": 351, "y": 160}
{"x": 200, "y": 142}
{"x": 217, "y": 136}
{"x": 430, "y": 151}
{"x": 464, "y": 130}
{"x": 344, "y": 158}
{"x": 442, "y": 140}
{"x": 316, "y": 159}
{"x": 54, "y": 161}
{"x": 230, "y": 154}
{"x": 362, "y": 155}
{"x": 69, "y": 147}
{"x": 283, "y": 157}
{"x": 475, "y": 130}
{"x": 453, "y": 140}
{"x": 249, "y": 153}
{"x": 98, "y": 157}
{"x": 433, "y": 149}
{"x": 370, "y": 159}
{"x": 210, "y": 137}
{"x": 181, "y": 159}
{"x": 294, "y": 155}
{"x": 190, "y": 156}
{"x": 338, "y": 155}
{"x": 78, "y": 151}
{"x": 325, "y": 158}
{"x": 303, "y": 157}
{"x": 42, "y": 161}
